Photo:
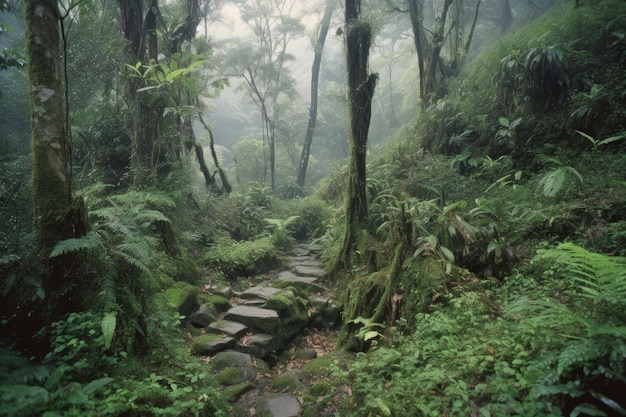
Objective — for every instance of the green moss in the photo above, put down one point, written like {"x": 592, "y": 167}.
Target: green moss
{"x": 220, "y": 303}
{"x": 321, "y": 388}
{"x": 230, "y": 376}
{"x": 199, "y": 343}
{"x": 186, "y": 269}
{"x": 234, "y": 392}
{"x": 183, "y": 297}
{"x": 284, "y": 381}
{"x": 319, "y": 366}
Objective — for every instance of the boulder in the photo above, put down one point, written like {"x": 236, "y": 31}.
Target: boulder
{"x": 204, "y": 316}
{"x": 284, "y": 405}
{"x": 183, "y": 297}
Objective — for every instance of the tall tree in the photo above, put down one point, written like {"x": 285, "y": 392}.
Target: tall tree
{"x": 435, "y": 67}
{"x": 57, "y": 216}
{"x": 261, "y": 62}
{"x": 361, "y": 85}
{"x": 315, "y": 75}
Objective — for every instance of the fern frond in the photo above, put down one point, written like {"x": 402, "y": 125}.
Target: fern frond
{"x": 580, "y": 353}
{"x": 85, "y": 243}
{"x": 553, "y": 182}
{"x": 135, "y": 198}
{"x": 601, "y": 278}
{"x": 151, "y": 216}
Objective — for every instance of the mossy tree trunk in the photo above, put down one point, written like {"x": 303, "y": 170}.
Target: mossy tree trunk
{"x": 57, "y": 216}
{"x": 140, "y": 32}
{"x": 374, "y": 301}
{"x": 361, "y": 90}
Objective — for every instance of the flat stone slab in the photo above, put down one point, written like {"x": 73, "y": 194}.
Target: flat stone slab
{"x": 231, "y": 328}
{"x": 300, "y": 251}
{"x": 291, "y": 277}
{"x": 214, "y": 345}
{"x": 264, "y": 293}
{"x": 312, "y": 262}
{"x": 309, "y": 271}
{"x": 284, "y": 405}
{"x": 258, "y": 318}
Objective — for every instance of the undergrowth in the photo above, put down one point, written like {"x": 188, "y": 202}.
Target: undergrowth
{"x": 547, "y": 348}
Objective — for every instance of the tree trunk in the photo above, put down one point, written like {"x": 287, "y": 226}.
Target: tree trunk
{"x": 57, "y": 217}
{"x": 433, "y": 84}
{"x": 361, "y": 90}
{"x": 315, "y": 73}
{"x": 417, "y": 17}
{"x": 507, "y": 16}
{"x": 148, "y": 156}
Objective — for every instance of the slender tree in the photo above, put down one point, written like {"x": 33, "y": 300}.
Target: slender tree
{"x": 261, "y": 62}
{"x": 435, "y": 67}
{"x": 315, "y": 75}
{"x": 361, "y": 85}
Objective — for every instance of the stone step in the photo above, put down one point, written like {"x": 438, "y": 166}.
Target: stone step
{"x": 309, "y": 271}
{"x": 293, "y": 264}
{"x": 230, "y": 328}
{"x": 261, "y": 292}
{"x": 258, "y": 318}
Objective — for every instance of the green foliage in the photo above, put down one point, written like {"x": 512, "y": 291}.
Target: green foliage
{"x": 591, "y": 357}
{"x": 174, "y": 384}
{"x": 241, "y": 259}
{"x": 554, "y": 182}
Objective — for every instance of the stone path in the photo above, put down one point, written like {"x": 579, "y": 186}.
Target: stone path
{"x": 249, "y": 335}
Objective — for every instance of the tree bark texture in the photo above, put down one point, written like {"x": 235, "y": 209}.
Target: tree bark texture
{"x": 52, "y": 195}
{"x": 57, "y": 217}
{"x": 361, "y": 87}
{"x": 315, "y": 75}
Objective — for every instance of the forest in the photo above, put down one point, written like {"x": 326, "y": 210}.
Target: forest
{"x": 322, "y": 208}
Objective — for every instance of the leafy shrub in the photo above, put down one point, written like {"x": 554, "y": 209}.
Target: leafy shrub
{"x": 240, "y": 259}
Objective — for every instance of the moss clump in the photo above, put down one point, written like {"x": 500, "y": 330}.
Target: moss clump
{"x": 319, "y": 366}
{"x": 234, "y": 392}
{"x": 199, "y": 344}
{"x": 230, "y": 376}
{"x": 183, "y": 297}
{"x": 186, "y": 269}
{"x": 321, "y": 388}
{"x": 218, "y": 301}
{"x": 284, "y": 381}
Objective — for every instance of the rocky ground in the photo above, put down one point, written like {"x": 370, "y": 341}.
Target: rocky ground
{"x": 269, "y": 340}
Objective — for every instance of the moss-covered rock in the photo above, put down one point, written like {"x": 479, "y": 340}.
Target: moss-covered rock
{"x": 236, "y": 375}
{"x": 233, "y": 392}
{"x": 291, "y": 380}
{"x": 186, "y": 269}
{"x": 210, "y": 344}
{"x": 293, "y": 312}
{"x": 183, "y": 297}
{"x": 319, "y": 366}
{"x": 219, "y": 301}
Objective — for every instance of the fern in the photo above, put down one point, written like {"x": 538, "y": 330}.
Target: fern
{"x": 580, "y": 353}
{"x": 86, "y": 243}
{"x": 601, "y": 278}
{"x": 553, "y": 182}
